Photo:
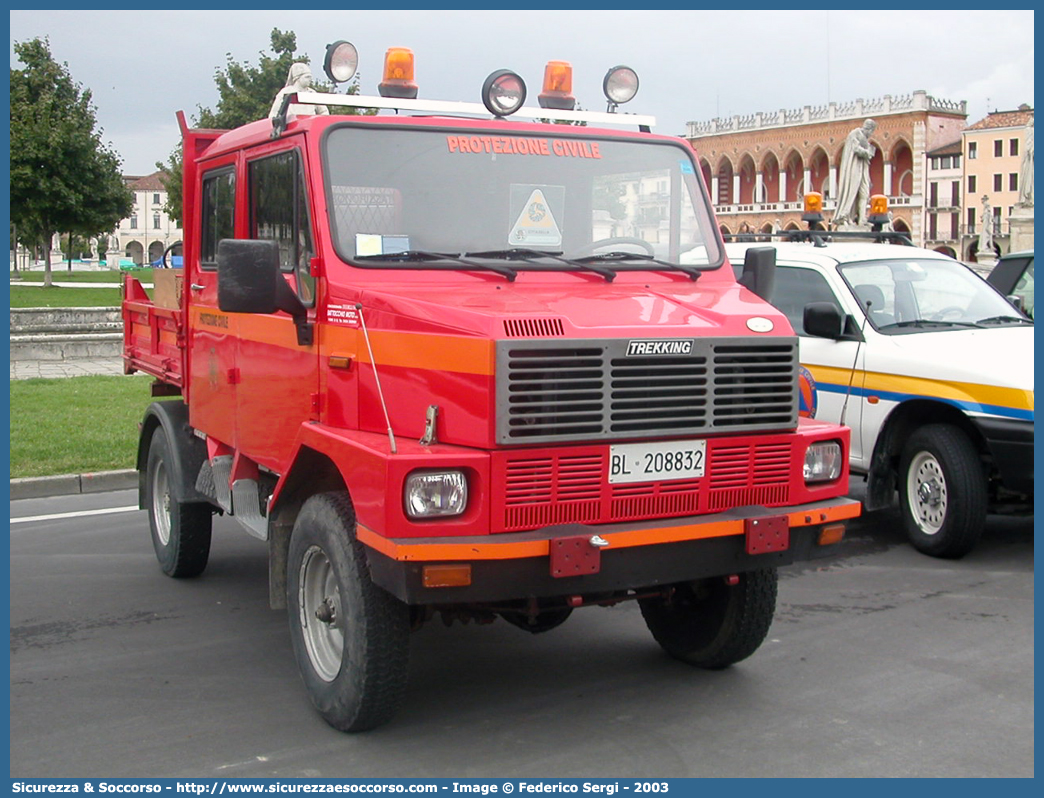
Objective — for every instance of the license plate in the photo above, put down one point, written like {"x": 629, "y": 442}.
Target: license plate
{"x": 655, "y": 462}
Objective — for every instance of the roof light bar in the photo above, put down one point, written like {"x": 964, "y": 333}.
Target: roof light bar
{"x": 503, "y": 92}
{"x": 449, "y": 108}
{"x": 558, "y": 86}
{"x": 341, "y": 62}
{"x": 398, "y": 74}
{"x": 619, "y": 86}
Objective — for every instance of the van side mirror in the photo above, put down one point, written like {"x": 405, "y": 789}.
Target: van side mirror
{"x": 249, "y": 281}
{"x": 759, "y": 271}
{"x": 824, "y": 320}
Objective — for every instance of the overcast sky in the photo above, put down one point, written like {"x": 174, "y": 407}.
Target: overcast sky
{"x": 143, "y": 66}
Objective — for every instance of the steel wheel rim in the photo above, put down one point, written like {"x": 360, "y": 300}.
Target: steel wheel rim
{"x": 926, "y": 488}
{"x": 319, "y": 608}
{"x": 161, "y": 503}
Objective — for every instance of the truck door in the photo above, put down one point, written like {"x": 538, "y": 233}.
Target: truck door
{"x": 212, "y": 334}
{"x": 278, "y": 373}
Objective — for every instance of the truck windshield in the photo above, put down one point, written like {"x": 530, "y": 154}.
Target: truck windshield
{"x": 908, "y": 295}
{"x": 422, "y": 198}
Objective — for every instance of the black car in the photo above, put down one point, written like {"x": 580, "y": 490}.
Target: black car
{"x": 1013, "y": 276}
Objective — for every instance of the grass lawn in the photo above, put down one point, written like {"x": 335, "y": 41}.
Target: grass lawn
{"x": 26, "y": 296}
{"x": 76, "y": 425}
{"x": 60, "y": 275}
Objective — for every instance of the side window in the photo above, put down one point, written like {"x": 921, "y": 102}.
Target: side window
{"x": 794, "y": 288}
{"x": 876, "y": 293}
{"x": 279, "y": 212}
{"x": 218, "y": 213}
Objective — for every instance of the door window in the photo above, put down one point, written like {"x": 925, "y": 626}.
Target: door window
{"x": 794, "y": 288}
{"x": 218, "y": 209}
{"x": 279, "y": 212}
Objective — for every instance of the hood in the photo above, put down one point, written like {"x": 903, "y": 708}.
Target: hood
{"x": 994, "y": 356}
{"x": 588, "y": 310}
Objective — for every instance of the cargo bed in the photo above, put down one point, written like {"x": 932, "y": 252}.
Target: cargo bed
{"x": 153, "y": 337}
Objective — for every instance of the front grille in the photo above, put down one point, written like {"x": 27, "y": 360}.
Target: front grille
{"x": 571, "y": 486}
{"x": 550, "y": 391}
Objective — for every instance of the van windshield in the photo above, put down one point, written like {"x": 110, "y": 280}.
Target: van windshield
{"x": 423, "y": 198}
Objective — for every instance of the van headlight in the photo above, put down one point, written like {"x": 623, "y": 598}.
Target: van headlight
{"x": 433, "y": 494}
{"x": 823, "y": 461}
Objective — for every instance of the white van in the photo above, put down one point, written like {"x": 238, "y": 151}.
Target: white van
{"x": 930, "y": 366}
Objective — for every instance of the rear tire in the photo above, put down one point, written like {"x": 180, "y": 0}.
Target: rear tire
{"x": 180, "y": 530}
{"x": 711, "y": 624}
{"x": 942, "y": 491}
{"x": 350, "y": 637}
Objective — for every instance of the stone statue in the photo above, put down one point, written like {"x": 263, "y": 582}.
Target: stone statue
{"x": 1026, "y": 168}
{"x": 986, "y": 229}
{"x": 854, "y": 178}
{"x": 299, "y": 78}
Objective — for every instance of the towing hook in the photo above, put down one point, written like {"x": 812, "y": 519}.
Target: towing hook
{"x": 598, "y": 541}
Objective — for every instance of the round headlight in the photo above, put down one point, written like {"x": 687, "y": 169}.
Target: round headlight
{"x": 342, "y": 59}
{"x": 503, "y": 92}
{"x": 620, "y": 85}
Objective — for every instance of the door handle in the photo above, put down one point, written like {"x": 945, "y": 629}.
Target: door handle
{"x": 197, "y": 287}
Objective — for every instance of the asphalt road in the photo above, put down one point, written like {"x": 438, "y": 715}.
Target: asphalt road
{"x": 881, "y": 662}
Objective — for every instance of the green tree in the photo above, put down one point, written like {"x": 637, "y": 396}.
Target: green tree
{"x": 64, "y": 179}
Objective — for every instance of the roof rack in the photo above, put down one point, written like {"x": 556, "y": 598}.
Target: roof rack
{"x": 448, "y": 108}
{"x": 820, "y": 238}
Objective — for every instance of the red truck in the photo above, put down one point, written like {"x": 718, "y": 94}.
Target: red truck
{"x": 445, "y": 361}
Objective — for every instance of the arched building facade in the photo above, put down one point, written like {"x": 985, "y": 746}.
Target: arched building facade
{"x": 759, "y": 167}
{"x": 148, "y": 231}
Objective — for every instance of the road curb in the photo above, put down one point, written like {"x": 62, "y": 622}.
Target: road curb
{"x": 68, "y": 484}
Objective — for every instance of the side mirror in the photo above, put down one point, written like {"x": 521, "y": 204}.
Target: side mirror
{"x": 759, "y": 271}
{"x": 1018, "y": 302}
{"x": 824, "y": 320}
{"x": 249, "y": 281}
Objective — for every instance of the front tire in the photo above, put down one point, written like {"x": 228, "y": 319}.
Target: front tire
{"x": 710, "y": 623}
{"x": 180, "y": 530}
{"x": 350, "y": 637}
{"x": 942, "y": 491}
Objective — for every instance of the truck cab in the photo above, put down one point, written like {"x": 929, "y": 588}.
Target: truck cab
{"x": 448, "y": 361}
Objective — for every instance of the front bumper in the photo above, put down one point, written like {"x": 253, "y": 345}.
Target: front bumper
{"x": 637, "y": 555}
{"x": 1011, "y": 444}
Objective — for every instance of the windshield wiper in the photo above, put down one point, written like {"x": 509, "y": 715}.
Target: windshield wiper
{"x": 1003, "y": 319}
{"x": 522, "y": 253}
{"x": 409, "y": 255}
{"x": 928, "y": 323}
{"x": 694, "y": 274}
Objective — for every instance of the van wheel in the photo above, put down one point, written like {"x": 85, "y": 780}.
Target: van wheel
{"x": 942, "y": 491}
{"x": 180, "y": 530}
{"x": 711, "y": 624}
{"x": 350, "y": 637}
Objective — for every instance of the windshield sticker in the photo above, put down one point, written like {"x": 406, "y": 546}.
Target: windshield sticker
{"x": 535, "y": 224}
{"x": 373, "y": 244}
{"x": 517, "y": 145}
{"x": 686, "y": 168}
